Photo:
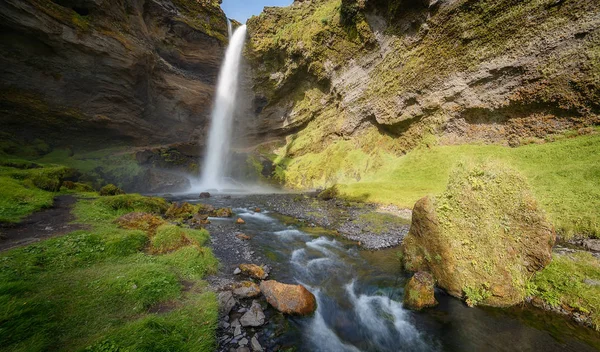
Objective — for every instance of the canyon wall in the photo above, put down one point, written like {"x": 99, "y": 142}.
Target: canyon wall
{"x": 336, "y": 77}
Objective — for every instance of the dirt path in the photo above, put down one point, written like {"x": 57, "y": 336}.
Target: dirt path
{"x": 41, "y": 225}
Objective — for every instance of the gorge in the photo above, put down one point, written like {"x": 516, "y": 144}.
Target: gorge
{"x": 415, "y": 175}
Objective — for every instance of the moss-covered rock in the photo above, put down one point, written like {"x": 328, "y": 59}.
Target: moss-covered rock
{"x": 111, "y": 190}
{"x": 483, "y": 238}
{"x": 419, "y": 291}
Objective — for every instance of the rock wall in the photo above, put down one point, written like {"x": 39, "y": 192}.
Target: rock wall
{"x": 96, "y": 72}
{"x": 393, "y": 75}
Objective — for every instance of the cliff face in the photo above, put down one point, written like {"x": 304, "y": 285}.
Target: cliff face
{"x": 97, "y": 71}
{"x": 387, "y": 76}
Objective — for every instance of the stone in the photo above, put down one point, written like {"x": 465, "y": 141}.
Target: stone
{"x": 240, "y": 221}
{"x": 254, "y": 316}
{"x": 243, "y": 237}
{"x": 419, "y": 291}
{"x": 204, "y": 195}
{"x": 237, "y": 330}
{"x": 256, "y": 347}
{"x": 591, "y": 244}
{"x": 243, "y": 349}
{"x": 483, "y": 238}
{"x": 254, "y": 271}
{"x": 243, "y": 342}
{"x": 237, "y": 271}
{"x": 289, "y": 299}
{"x": 257, "y": 210}
{"x": 226, "y": 302}
{"x": 245, "y": 289}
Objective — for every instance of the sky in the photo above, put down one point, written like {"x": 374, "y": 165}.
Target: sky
{"x": 242, "y": 10}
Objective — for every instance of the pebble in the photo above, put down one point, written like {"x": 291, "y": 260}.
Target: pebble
{"x": 243, "y": 342}
{"x": 237, "y": 271}
{"x": 255, "y": 344}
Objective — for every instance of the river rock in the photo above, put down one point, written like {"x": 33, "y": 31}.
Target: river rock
{"x": 254, "y": 271}
{"x": 483, "y": 238}
{"x": 245, "y": 289}
{"x": 204, "y": 195}
{"x": 256, "y": 347}
{"x": 226, "y": 302}
{"x": 237, "y": 271}
{"x": 419, "y": 291}
{"x": 243, "y": 237}
{"x": 254, "y": 316}
{"x": 289, "y": 299}
{"x": 240, "y": 221}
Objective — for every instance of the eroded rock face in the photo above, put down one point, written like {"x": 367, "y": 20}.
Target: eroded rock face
{"x": 483, "y": 238}
{"x": 142, "y": 71}
{"x": 289, "y": 299}
{"x": 419, "y": 291}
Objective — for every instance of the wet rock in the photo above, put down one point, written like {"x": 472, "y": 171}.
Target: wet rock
{"x": 256, "y": 347}
{"x": 204, "y": 195}
{"x": 483, "y": 238}
{"x": 419, "y": 291}
{"x": 240, "y": 221}
{"x": 246, "y": 289}
{"x": 591, "y": 244}
{"x": 226, "y": 302}
{"x": 289, "y": 299}
{"x": 244, "y": 237}
{"x": 254, "y": 271}
{"x": 254, "y": 316}
{"x": 257, "y": 210}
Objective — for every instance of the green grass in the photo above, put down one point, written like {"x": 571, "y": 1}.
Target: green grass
{"x": 18, "y": 201}
{"x": 563, "y": 282}
{"x": 564, "y": 175}
{"x": 95, "y": 289}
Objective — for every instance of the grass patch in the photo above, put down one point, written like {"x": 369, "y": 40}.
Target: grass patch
{"x": 573, "y": 281}
{"x": 564, "y": 175}
{"x": 94, "y": 290}
{"x": 376, "y": 222}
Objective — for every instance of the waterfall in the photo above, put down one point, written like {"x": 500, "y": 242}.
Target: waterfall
{"x": 229, "y": 29}
{"x": 217, "y": 151}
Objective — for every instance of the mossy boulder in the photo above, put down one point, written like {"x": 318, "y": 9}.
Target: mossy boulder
{"x": 419, "y": 291}
{"x": 329, "y": 193}
{"x": 181, "y": 211}
{"x": 483, "y": 238}
{"x": 110, "y": 190}
{"x": 254, "y": 271}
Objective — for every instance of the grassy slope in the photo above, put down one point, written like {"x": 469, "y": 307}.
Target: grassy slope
{"x": 94, "y": 289}
{"x": 564, "y": 175}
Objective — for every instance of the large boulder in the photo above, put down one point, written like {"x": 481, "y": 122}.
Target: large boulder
{"x": 289, "y": 299}
{"x": 483, "y": 238}
{"x": 419, "y": 291}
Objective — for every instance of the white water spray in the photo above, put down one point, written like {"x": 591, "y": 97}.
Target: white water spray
{"x": 219, "y": 137}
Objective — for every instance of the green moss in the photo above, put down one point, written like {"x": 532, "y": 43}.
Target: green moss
{"x": 126, "y": 203}
{"x": 571, "y": 281}
{"x": 110, "y": 190}
{"x": 376, "y": 222}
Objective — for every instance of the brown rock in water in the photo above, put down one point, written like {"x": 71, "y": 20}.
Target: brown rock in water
{"x": 240, "y": 221}
{"x": 257, "y": 210}
{"x": 204, "y": 195}
{"x": 289, "y": 299}
{"x": 245, "y": 289}
{"x": 244, "y": 237}
{"x": 419, "y": 291}
{"x": 483, "y": 238}
{"x": 254, "y": 271}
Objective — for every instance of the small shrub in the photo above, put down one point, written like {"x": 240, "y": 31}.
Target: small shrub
{"x": 329, "y": 193}
{"x": 111, "y": 190}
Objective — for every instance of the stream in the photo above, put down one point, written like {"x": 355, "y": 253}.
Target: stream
{"x": 359, "y": 295}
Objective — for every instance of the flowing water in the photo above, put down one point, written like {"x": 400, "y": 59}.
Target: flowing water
{"x": 217, "y": 152}
{"x": 360, "y": 293}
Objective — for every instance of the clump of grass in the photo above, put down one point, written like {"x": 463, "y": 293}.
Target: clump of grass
{"x": 134, "y": 202}
{"x": 376, "y": 222}
{"x": 168, "y": 238}
{"x": 140, "y": 221}
{"x": 110, "y": 190}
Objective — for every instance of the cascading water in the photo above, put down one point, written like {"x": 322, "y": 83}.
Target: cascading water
{"x": 217, "y": 152}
